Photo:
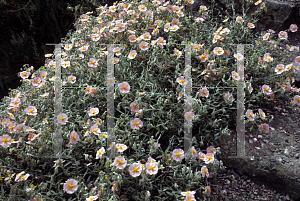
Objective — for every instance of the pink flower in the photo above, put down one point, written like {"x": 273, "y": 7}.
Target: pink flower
{"x": 209, "y": 158}
{"x": 20, "y": 175}
{"x": 188, "y": 193}
{"x": 93, "y": 63}
{"x": 120, "y": 162}
{"x": 194, "y": 152}
{"x": 264, "y": 128}
{"x": 156, "y": 144}
{"x": 36, "y": 81}
{"x": 189, "y": 116}
{"x": 93, "y": 111}
{"x": 266, "y": 89}
{"x": 228, "y": 96}
{"x": 204, "y": 92}
{"x": 15, "y": 102}
{"x": 62, "y": 118}
{"x": 24, "y": 74}
{"x": 235, "y": 75}
{"x": 190, "y": 198}
{"x": 218, "y": 51}
{"x": 178, "y": 154}
{"x": 297, "y": 100}
{"x": 226, "y": 53}
{"x": 121, "y": 147}
{"x": 70, "y": 186}
{"x": 204, "y": 171}
{"x": 132, "y": 38}
{"x": 207, "y": 190}
{"x": 100, "y": 152}
{"x": 93, "y": 91}
{"x": 293, "y": 27}
{"x": 250, "y": 25}
{"x": 250, "y": 115}
{"x": 239, "y": 19}
{"x": 204, "y": 57}
{"x": 83, "y": 48}
{"x": 161, "y": 42}
{"x": 74, "y": 137}
{"x": 211, "y": 149}
{"x": 115, "y": 185}
{"x": 5, "y": 140}
{"x": 297, "y": 60}
{"x": 279, "y": 68}
{"x": 136, "y": 123}
{"x": 181, "y": 81}
{"x": 196, "y": 47}
{"x": 68, "y": 47}
{"x": 287, "y": 86}
{"x": 261, "y": 114}
{"x": 250, "y": 88}
{"x": 124, "y": 87}
{"x": 91, "y": 198}
{"x": 31, "y": 110}
{"x": 132, "y": 54}
{"x": 95, "y": 130}
{"x": 282, "y": 35}
{"x": 143, "y": 45}
{"x": 11, "y": 127}
{"x": 135, "y": 169}
{"x": 180, "y": 95}
{"x": 239, "y": 56}
{"x": 151, "y": 168}
{"x": 201, "y": 156}
{"x": 138, "y": 112}
{"x": 134, "y": 107}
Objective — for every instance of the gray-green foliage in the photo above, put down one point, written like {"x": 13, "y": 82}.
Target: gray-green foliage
{"x": 157, "y": 116}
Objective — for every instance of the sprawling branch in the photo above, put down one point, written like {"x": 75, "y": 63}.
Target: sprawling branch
{"x": 12, "y": 11}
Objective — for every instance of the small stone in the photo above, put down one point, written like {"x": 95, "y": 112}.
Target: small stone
{"x": 251, "y": 196}
{"x": 287, "y": 197}
{"x": 297, "y": 155}
{"x": 277, "y": 195}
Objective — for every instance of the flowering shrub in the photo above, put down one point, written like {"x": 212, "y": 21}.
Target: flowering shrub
{"x": 149, "y": 105}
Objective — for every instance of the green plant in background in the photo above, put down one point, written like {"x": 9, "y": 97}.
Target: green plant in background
{"x": 149, "y": 75}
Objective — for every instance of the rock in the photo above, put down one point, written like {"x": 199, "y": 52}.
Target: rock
{"x": 282, "y": 176}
